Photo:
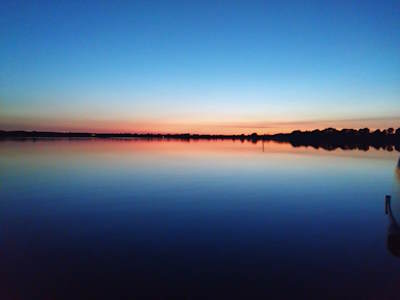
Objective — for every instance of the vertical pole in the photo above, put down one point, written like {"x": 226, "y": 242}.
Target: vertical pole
{"x": 387, "y": 203}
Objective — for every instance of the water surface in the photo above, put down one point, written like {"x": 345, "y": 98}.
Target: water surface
{"x": 195, "y": 220}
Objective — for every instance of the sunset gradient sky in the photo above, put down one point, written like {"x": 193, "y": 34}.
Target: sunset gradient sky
{"x": 199, "y": 66}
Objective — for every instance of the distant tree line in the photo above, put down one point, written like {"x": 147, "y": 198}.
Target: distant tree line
{"x": 329, "y": 138}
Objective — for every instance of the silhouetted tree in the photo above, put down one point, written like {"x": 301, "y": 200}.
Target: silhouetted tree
{"x": 364, "y": 131}
{"x": 329, "y": 130}
{"x": 377, "y": 132}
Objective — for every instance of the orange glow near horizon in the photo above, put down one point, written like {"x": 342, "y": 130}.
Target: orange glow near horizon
{"x": 199, "y": 127}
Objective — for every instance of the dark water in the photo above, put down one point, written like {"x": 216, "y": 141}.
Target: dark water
{"x": 125, "y": 219}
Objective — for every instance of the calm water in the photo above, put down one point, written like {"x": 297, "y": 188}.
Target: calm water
{"x": 195, "y": 220}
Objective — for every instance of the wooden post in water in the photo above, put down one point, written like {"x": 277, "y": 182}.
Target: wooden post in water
{"x": 387, "y": 203}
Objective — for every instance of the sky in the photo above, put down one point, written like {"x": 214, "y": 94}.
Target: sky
{"x": 199, "y": 66}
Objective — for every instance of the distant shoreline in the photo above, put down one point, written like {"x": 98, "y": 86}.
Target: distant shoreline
{"x": 329, "y": 139}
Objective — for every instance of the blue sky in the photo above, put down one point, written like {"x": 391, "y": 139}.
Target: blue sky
{"x": 201, "y": 66}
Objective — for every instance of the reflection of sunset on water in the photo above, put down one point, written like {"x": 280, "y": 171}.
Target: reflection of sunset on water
{"x": 172, "y": 146}
{"x": 131, "y": 153}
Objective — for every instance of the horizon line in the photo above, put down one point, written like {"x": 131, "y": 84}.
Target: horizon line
{"x": 199, "y": 134}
